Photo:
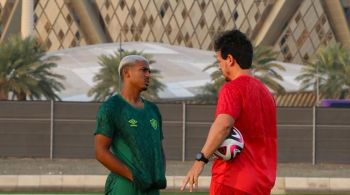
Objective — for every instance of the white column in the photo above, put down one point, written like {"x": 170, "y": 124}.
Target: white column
{"x": 27, "y": 19}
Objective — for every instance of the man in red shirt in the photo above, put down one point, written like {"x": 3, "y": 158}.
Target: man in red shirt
{"x": 244, "y": 102}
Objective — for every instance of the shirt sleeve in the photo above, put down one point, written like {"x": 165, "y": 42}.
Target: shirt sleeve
{"x": 229, "y": 101}
{"x": 104, "y": 122}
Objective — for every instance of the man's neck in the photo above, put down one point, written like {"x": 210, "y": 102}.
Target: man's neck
{"x": 241, "y": 72}
{"x": 131, "y": 96}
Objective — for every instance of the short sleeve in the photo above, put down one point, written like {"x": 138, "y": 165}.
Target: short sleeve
{"x": 229, "y": 101}
{"x": 104, "y": 122}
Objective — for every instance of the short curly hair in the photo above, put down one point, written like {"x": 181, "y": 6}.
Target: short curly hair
{"x": 234, "y": 42}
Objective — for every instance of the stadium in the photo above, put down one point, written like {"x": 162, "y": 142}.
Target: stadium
{"x": 47, "y": 142}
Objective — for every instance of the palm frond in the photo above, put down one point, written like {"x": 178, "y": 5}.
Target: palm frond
{"x": 330, "y": 66}
{"x": 262, "y": 68}
{"x": 108, "y": 81}
{"x": 26, "y": 72}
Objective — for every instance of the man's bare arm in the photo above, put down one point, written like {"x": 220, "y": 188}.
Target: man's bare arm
{"x": 219, "y": 130}
{"x": 104, "y": 155}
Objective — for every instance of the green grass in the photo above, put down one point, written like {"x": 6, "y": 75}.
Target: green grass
{"x": 96, "y": 193}
{"x": 99, "y": 193}
{"x": 206, "y": 193}
{"x": 184, "y": 193}
{"x": 88, "y": 193}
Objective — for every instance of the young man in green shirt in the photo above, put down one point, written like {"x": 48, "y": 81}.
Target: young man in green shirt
{"x": 132, "y": 128}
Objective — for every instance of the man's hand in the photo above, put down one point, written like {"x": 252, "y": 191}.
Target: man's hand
{"x": 192, "y": 176}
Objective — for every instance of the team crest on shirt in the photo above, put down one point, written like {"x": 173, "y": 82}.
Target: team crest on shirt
{"x": 154, "y": 123}
{"x": 132, "y": 122}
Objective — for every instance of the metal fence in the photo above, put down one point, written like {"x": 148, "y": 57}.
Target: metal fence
{"x": 65, "y": 130}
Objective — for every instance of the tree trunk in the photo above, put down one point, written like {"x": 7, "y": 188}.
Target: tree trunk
{"x": 21, "y": 96}
{"x": 343, "y": 94}
{"x": 3, "y": 92}
{"x": 3, "y": 95}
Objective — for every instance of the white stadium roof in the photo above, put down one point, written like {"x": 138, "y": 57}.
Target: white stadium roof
{"x": 181, "y": 68}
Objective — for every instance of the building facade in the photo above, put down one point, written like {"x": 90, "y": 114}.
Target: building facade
{"x": 294, "y": 28}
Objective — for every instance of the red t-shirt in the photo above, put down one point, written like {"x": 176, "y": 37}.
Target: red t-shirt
{"x": 253, "y": 108}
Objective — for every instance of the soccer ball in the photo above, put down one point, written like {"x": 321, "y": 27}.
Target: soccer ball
{"x": 231, "y": 146}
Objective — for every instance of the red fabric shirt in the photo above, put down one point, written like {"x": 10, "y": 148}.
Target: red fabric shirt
{"x": 253, "y": 108}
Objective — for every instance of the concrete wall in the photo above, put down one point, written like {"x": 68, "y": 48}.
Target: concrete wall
{"x": 305, "y": 135}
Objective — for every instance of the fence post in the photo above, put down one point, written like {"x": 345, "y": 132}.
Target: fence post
{"x": 183, "y": 131}
{"x": 51, "y": 129}
{"x": 313, "y": 135}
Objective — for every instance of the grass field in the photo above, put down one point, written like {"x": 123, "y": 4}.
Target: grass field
{"x": 184, "y": 193}
{"x": 95, "y": 193}
{"x": 87, "y": 193}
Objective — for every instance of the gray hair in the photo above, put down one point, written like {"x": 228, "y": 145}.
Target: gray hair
{"x": 130, "y": 59}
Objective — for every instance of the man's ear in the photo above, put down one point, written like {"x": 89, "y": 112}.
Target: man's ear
{"x": 231, "y": 60}
{"x": 124, "y": 72}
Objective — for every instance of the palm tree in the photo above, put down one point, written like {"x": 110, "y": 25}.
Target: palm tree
{"x": 208, "y": 93}
{"x": 25, "y": 71}
{"x": 331, "y": 66}
{"x": 262, "y": 68}
{"x": 108, "y": 81}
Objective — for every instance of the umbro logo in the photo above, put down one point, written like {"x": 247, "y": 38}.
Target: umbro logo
{"x": 132, "y": 122}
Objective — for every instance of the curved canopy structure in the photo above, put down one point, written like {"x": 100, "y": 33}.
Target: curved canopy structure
{"x": 181, "y": 68}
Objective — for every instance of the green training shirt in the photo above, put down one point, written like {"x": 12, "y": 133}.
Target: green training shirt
{"x": 137, "y": 135}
